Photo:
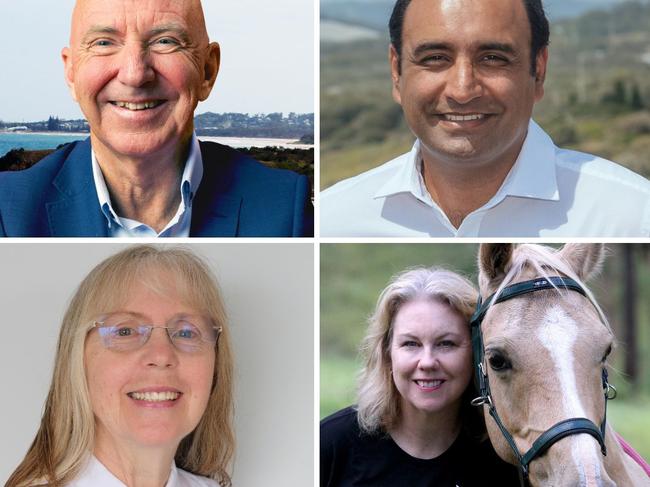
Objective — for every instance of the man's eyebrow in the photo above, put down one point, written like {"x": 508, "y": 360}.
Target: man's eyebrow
{"x": 172, "y": 27}
{"x": 498, "y": 46}
{"x": 431, "y": 46}
{"x": 100, "y": 29}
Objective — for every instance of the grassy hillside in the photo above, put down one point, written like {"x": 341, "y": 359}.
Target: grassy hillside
{"x": 597, "y": 95}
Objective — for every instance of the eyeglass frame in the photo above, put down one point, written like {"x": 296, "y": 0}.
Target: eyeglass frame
{"x": 96, "y": 324}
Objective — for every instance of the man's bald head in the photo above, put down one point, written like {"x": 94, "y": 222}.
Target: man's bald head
{"x": 190, "y": 10}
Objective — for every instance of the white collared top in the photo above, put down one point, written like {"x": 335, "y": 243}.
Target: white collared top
{"x": 95, "y": 474}
{"x": 549, "y": 192}
{"x": 179, "y": 225}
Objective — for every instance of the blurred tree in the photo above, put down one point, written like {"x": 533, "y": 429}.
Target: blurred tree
{"x": 53, "y": 123}
{"x": 636, "y": 101}
{"x": 618, "y": 95}
{"x": 630, "y": 334}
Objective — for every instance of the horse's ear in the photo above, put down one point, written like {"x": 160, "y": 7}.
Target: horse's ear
{"x": 493, "y": 262}
{"x": 585, "y": 259}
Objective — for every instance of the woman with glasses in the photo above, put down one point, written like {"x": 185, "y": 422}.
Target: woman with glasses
{"x": 142, "y": 388}
{"x": 413, "y": 424}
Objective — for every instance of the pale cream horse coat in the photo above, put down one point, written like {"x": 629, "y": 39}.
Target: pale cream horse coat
{"x": 544, "y": 353}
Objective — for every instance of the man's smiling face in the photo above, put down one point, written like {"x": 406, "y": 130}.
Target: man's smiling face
{"x": 463, "y": 78}
{"x": 138, "y": 68}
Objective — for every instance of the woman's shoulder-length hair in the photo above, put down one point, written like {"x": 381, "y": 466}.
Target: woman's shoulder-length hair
{"x": 65, "y": 437}
{"x": 377, "y": 397}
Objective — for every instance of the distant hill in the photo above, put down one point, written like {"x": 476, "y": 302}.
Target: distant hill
{"x": 374, "y": 14}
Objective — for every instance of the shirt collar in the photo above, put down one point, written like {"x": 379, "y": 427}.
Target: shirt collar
{"x": 532, "y": 176}
{"x": 96, "y": 474}
{"x": 190, "y": 180}
{"x": 407, "y": 179}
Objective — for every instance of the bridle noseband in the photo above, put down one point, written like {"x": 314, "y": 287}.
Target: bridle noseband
{"x": 572, "y": 426}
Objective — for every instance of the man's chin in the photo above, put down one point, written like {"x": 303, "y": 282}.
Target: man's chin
{"x": 138, "y": 145}
{"x": 460, "y": 152}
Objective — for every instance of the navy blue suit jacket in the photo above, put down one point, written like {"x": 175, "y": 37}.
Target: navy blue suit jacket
{"x": 237, "y": 197}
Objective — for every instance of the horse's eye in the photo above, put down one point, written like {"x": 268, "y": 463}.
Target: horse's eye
{"x": 609, "y": 350}
{"x": 498, "y": 362}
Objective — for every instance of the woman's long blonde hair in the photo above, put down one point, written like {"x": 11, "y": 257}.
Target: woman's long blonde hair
{"x": 65, "y": 438}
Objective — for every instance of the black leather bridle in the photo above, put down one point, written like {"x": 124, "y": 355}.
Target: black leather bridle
{"x": 572, "y": 426}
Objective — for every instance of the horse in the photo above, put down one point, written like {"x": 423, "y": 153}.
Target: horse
{"x": 541, "y": 344}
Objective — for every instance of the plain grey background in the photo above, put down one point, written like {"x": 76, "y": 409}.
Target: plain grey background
{"x": 268, "y": 289}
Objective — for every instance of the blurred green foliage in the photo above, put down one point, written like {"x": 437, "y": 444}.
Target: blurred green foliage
{"x": 353, "y": 275}
{"x": 597, "y": 96}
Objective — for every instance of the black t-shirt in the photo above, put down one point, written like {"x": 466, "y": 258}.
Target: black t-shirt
{"x": 349, "y": 458}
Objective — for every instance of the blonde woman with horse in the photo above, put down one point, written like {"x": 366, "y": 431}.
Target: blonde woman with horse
{"x": 142, "y": 388}
{"x": 413, "y": 424}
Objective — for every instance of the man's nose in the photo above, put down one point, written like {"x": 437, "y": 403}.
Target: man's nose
{"x": 135, "y": 65}
{"x": 159, "y": 351}
{"x": 463, "y": 86}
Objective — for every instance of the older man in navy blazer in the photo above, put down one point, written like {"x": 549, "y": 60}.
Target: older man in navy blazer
{"x": 138, "y": 71}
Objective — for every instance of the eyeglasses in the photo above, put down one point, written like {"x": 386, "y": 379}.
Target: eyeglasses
{"x": 124, "y": 332}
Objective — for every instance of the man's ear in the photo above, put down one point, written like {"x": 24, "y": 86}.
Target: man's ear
{"x": 68, "y": 71}
{"x": 210, "y": 70}
{"x": 394, "y": 59}
{"x": 540, "y": 73}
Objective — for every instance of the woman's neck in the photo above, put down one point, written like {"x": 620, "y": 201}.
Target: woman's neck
{"x": 426, "y": 435}
{"x": 136, "y": 467}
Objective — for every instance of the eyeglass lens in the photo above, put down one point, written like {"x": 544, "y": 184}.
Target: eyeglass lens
{"x": 127, "y": 333}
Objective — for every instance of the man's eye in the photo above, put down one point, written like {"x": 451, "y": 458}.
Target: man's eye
{"x": 165, "y": 43}
{"x": 102, "y": 43}
{"x": 434, "y": 59}
{"x": 493, "y": 59}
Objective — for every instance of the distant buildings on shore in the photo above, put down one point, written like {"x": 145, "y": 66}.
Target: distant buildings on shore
{"x": 270, "y": 125}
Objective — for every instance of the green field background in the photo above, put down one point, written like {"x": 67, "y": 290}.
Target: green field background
{"x": 353, "y": 275}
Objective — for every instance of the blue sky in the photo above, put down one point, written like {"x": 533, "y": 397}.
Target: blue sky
{"x": 267, "y": 62}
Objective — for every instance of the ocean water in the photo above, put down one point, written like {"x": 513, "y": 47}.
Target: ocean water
{"x": 35, "y": 141}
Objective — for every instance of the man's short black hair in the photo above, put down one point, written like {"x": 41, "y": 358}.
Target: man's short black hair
{"x": 536, "y": 18}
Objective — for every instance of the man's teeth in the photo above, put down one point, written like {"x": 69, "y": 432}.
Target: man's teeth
{"x": 136, "y": 106}
{"x": 464, "y": 118}
{"x": 429, "y": 383}
{"x": 154, "y": 396}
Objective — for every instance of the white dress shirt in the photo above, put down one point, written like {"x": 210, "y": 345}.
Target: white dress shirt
{"x": 549, "y": 192}
{"x": 178, "y": 226}
{"x": 95, "y": 474}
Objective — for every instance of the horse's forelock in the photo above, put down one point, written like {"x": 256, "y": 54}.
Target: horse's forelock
{"x": 545, "y": 262}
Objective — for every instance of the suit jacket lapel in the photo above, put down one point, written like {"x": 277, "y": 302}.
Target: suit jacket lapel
{"x": 76, "y": 212}
{"x": 215, "y": 209}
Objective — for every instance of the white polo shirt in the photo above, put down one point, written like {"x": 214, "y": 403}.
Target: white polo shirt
{"x": 95, "y": 474}
{"x": 549, "y": 192}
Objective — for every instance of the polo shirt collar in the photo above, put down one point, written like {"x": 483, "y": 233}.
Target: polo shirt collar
{"x": 190, "y": 180}
{"x": 532, "y": 176}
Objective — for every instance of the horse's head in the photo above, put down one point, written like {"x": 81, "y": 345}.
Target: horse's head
{"x": 545, "y": 353}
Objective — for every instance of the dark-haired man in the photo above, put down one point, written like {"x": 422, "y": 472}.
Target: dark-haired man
{"x": 467, "y": 74}
{"x": 138, "y": 71}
